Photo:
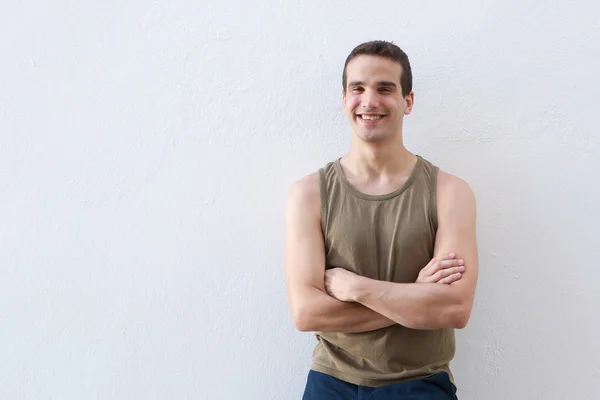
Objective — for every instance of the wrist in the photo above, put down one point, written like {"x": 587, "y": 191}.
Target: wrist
{"x": 357, "y": 288}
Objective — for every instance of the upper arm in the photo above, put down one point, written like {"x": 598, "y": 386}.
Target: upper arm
{"x": 456, "y": 210}
{"x": 304, "y": 245}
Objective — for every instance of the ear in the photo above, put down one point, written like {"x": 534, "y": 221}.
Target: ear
{"x": 410, "y": 101}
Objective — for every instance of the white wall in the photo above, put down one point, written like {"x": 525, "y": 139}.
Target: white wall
{"x": 146, "y": 150}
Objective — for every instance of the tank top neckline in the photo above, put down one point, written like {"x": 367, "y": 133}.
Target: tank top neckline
{"x": 377, "y": 197}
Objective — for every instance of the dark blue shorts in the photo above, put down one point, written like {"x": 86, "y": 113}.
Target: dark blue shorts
{"x": 321, "y": 386}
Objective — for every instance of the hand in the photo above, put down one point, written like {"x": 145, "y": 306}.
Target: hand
{"x": 339, "y": 282}
{"x": 442, "y": 270}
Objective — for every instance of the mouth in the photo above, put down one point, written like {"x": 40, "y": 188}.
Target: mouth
{"x": 370, "y": 118}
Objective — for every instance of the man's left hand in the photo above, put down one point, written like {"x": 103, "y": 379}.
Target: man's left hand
{"x": 339, "y": 283}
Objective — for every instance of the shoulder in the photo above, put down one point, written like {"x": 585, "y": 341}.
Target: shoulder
{"x": 454, "y": 193}
{"x": 305, "y": 195}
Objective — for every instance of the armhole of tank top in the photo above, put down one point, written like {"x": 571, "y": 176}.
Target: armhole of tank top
{"x": 433, "y": 197}
{"x": 323, "y": 195}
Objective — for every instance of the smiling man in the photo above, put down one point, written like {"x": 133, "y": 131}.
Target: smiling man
{"x": 381, "y": 255}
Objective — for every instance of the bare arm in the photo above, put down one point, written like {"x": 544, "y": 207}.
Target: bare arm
{"x": 429, "y": 305}
{"x": 311, "y": 307}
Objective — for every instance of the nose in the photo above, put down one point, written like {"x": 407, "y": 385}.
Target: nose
{"x": 370, "y": 99}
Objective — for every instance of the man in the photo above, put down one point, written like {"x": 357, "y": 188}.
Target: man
{"x": 381, "y": 254}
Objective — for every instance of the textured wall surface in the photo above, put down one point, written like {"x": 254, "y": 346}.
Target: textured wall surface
{"x": 146, "y": 149}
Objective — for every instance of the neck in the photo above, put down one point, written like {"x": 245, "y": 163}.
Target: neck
{"x": 388, "y": 157}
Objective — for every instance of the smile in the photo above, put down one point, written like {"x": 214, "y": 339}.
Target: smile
{"x": 370, "y": 117}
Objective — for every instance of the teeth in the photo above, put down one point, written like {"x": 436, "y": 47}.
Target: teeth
{"x": 370, "y": 117}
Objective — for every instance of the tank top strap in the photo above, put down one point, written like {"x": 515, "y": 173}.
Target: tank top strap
{"x": 431, "y": 172}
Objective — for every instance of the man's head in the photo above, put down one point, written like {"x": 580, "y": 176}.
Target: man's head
{"x": 386, "y": 50}
{"x": 377, "y": 92}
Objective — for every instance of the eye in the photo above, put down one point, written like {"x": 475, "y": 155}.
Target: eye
{"x": 357, "y": 89}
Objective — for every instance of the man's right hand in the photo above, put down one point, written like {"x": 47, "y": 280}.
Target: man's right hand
{"x": 445, "y": 270}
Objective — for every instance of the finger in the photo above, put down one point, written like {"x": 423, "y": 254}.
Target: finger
{"x": 451, "y": 263}
{"x": 429, "y": 265}
{"x": 449, "y": 256}
{"x": 433, "y": 265}
{"x": 447, "y": 272}
{"x": 450, "y": 279}
{"x": 441, "y": 265}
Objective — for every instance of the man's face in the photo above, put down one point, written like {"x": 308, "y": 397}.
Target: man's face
{"x": 373, "y": 98}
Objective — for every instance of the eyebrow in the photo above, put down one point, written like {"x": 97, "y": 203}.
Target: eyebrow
{"x": 382, "y": 83}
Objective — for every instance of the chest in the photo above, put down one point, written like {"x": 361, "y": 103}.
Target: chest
{"x": 389, "y": 241}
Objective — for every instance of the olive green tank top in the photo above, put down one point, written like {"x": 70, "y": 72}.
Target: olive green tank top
{"x": 391, "y": 238}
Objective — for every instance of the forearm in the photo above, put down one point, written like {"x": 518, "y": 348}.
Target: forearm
{"x": 320, "y": 312}
{"x": 414, "y": 305}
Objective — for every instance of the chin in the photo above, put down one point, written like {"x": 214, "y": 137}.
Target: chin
{"x": 372, "y": 137}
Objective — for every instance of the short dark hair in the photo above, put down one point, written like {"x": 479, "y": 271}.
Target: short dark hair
{"x": 387, "y": 50}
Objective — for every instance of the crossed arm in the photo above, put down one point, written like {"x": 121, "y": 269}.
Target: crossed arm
{"x": 312, "y": 308}
{"x": 341, "y": 301}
